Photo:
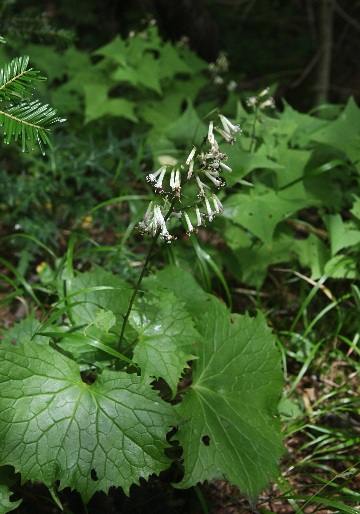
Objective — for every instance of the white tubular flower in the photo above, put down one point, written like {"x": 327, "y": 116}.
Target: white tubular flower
{"x": 214, "y": 178}
{"x": 149, "y": 213}
{"x": 215, "y": 150}
{"x": 218, "y": 206}
{"x": 201, "y": 186}
{"x": 177, "y": 180}
{"x": 210, "y": 213}
{"x": 232, "y": 85}
{"x": 225, "y": 167}
{"x": 264, "y": 92}
{"x": 191, "y": 156}
{"x": 210, "y": 136}
{"x": 153, "y": 176}
{"x": 267, "y": 103}
{"x": 172, "y": 179}
{"x": 158, "y": 217}
{"x": 159, "y": 181}
{"x": 191, "y": 169}
{"x": 148, "y": 224}
{"x": 190, "y": 228}
{"x": 228, "y": 137}
{"x": 160, "y": 223}
{"x": 251, "y": 101}
{"x": 228, "y": 126}
{"x": 199, "y": 217}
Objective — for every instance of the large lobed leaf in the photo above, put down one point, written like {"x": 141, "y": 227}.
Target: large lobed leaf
{"x": 166, "y": 338}
{"x": 54, "y": 427}
{"x": 232, "y": 429}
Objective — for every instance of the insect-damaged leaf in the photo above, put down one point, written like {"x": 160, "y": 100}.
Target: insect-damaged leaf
{"x": 54, "y": 427}
{"x": 232, "y": 428}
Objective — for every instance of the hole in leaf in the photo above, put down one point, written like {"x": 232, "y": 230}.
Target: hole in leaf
{"x": 206, "y": 440}
{"x": 88, "y": 377}
{"x": 93, "y": 475}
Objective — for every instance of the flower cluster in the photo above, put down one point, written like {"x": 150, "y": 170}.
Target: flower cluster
{"x": 261, "y": 101}
{"x": 204, "y": 167}
{"x": 154, "y": 221}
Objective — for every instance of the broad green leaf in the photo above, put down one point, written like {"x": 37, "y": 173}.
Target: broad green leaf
{"x": 162, "y": 112}
{"x": 342, "y": 133}
{"x": 105, "y": 319}
{"x": 23, "y": 331}
{"x": 355, "y": 210}
{"x": 306, "y": 125}
{"x": 293, "y": 163}
{"x": 261, "y": 213}
{"x": 115, "y": 50}
{"x": 242, "y": 162}
{"x": 342, "y": 234}
{"x": 342, "y": 266}
{"x": 6, "y": 505}
{"x": 114, "y": 297}
{"x": 313, "y": 253}
{"x": 183, "y": 285}
{"x": 249, "y": 262}
{"x": 54, "y": 427}
{"x": 98, "y": 104}
{"x": 187, "y": 128}
{"x": 232, "y": 429}
{"x": 166, "y": 337}
{"x": 171, "y": 62}
{"x": 148, "y": 73}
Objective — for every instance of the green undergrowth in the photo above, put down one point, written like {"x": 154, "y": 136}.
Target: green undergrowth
{"x": 100, "y": 388}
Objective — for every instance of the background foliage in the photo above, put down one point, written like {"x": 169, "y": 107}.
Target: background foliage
{"x": 286, "y": 247}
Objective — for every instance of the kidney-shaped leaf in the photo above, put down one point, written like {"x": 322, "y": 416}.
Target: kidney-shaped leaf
{"x": 232, "y": 429}
{"x": 54, "y": 427}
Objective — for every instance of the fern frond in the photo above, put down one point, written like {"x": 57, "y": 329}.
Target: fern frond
{"x": 28, "y": 121}
{"x": 16, "y": 81}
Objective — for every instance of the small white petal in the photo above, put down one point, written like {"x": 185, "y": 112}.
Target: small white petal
{"x": 159, "y": 182}
{"x": 228, "y": 137}
{"x": 211, "y": 137}
{"x": 217, "y": 204}
{"x": 209, "y": 211}
{"x": 191, "y": 156}
{"x": 198, "y": 217}
{"x": 264, "y": 92}
{"x": 191, "y": 169}
{"x": 225, "y": 167}
{"x": 201, "y": 186}
{"x": 214, "y": 180}
{"x": 190, "y": 227}
{"x": 153, "y": 176}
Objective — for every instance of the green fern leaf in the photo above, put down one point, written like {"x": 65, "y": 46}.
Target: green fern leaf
{"x": 30, "y": 121}
{"x": 16, "y": 81}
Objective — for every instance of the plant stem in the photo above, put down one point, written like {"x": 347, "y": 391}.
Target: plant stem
{"x": 252, "y": 137}
{"x": 142, "y": 274}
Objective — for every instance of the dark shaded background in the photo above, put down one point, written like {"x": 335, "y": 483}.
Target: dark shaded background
{"x": 267, "y": 41}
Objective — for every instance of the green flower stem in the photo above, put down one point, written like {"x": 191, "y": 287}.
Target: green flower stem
{"x": 253, "y": 137}
{"x": 142, "y": 274}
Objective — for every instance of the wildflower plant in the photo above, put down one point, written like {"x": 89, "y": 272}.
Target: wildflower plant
{"x": 81, "y": 400}
{"x": 204, "y": 167}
